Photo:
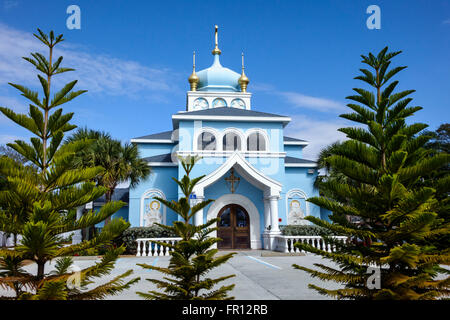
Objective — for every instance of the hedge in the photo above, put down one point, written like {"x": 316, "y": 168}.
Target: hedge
{"x": 304, "y": 230}
{"x": 129, "y": 236}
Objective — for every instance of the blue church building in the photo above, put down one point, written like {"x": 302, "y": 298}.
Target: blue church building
{"x": 256, "y": 175}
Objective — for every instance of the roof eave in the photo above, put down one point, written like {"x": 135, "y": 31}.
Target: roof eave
{"x": 177, "y": 117}
{"x": 137, "y": 140}
{"x": 301, "y": 165}
{"x": 296, "y": 143}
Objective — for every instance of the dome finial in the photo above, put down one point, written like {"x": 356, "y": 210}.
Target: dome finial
{"x": 193, "y": 78}
{"x": 243, "y": 80}
{"x": 216, "y": 48}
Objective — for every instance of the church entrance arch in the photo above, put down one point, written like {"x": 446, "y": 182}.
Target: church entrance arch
{"x": 233, "y": 227}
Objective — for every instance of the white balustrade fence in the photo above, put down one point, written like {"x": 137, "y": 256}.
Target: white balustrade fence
{"x": 148, "y": 247}
{"x": 286, "y": 243}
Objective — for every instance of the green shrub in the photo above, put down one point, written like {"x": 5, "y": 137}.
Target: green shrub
{"x": 89, "y": 252}
{"x": 129, "y": 236}
{"x": 304, "y": 230}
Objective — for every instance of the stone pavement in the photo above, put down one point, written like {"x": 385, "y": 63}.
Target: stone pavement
{"x": 260, "y": 275}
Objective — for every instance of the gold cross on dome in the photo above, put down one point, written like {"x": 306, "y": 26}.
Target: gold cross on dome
{"x": 232, "y": 181}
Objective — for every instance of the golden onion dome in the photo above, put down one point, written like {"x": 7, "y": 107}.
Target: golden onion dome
{"x": 243, "y": 80}
{"x": 193, "y": 78}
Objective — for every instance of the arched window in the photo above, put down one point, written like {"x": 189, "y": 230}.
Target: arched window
{"x": 256, "y": 142}
{"x": 206, "y": 141}
{"x": 231, "y": 142}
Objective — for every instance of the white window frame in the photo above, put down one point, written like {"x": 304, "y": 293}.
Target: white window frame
{"x": 263, "y": 134}
{"x": 216, "y": 135}
{"x": 241, "y": 136}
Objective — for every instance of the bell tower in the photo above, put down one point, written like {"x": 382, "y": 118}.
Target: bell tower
{"x": 217, "y": 86}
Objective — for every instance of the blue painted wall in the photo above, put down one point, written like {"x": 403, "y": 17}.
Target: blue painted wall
{"x": 161, "y": 179}
{"x": 154, "y": 149}
{"x": 299, "y": 178}
{"x": 293, "y": 150}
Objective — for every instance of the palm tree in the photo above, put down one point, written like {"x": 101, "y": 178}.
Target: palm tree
{"x": 121, "y": 162}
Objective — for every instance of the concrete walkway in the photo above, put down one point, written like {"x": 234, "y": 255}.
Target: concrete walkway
{"x": 260, "y": 275}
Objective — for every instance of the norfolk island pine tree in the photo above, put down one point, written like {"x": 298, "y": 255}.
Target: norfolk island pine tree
{"x": 40, "y": 201}
{"x": 192, "y": 257}
{"x": 380, "y": 167}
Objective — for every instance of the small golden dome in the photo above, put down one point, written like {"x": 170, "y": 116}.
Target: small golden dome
{"x": 243, "y": 80}
{"x": 193, "y": 78}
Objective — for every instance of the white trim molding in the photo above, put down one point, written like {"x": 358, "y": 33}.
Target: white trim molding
{"x": 301, "y": 165}
{"x": 248, "y": 205}
{"x": 152, "y": 141}
{"x": 221, "y": 154}
{"x": 231, "y": 118}
{"x": 270, "y": 186}
{"x": 162, "y": 164}
{"x": 144, "y": 196}
{"x": 296, "y": 143}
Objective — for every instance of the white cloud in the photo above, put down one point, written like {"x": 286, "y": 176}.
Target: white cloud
{"x": 300, "y": 100}
{"x": 319, "y": 133}
{"x": 13, "y": 104}
{"x": 98, "y": 73}
{"x": 318, "y": 104}
{"x": 447, "y": 21}
{"x": 4, "y": 138}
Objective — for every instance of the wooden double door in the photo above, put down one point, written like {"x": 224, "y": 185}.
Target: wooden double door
{"x": 233, "y": 228}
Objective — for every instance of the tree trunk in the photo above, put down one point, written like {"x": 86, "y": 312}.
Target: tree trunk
{"x": 41, "y": 269}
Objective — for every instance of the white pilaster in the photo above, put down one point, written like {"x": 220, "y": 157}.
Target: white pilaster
{"x": 198, "y": 217}
{"x": 267, "y": 220}
{"x": 267, "y": 239}
{"x": 274, "y": 214}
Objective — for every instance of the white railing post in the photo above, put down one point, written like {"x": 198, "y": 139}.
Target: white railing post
{"x": 144, "y": 248}
{"x": 138, "y": 252}
{"x": 149, "y": 246}
{"x": 287, "y": 243}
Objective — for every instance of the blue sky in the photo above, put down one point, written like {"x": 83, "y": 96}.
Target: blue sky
{"x": 134, "y": 57}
